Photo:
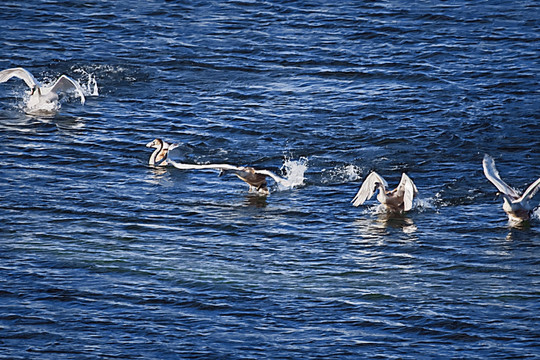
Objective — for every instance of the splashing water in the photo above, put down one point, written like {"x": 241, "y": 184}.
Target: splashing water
{"x": 341, "y": 174}
{"x": 536, "y": 214}
{"x": 294, "y": 170}
{"x": 90, "y": 88}
{"x": 424, "y": 204}
{"x": 41, "y": 108}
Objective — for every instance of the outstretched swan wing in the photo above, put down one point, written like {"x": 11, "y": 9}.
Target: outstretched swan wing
{"x": 278, "y": 179}
{"x": 65, "y": 84}
{"x": 221, "y": 167}
{"x": 368, "y": 188}
{"x": 493, "y": 175}
{"x": 20, "y": 73}
{"x": 531, "y": 191}
{"x": 409, "y": 191}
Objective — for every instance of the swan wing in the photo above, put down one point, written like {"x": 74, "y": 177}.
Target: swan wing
{"x": 531, "y": 191}
{"x": 182, "y": 166}
{"x": 493, "y": 175}
{"x": 65, "y": 84}
{"x": 278, "y": 179}
{"x": 367, "y": 189}
{"x": 20, "y": 73}
{"x": 221, "y": 167}
{"x": 409, "y": 191}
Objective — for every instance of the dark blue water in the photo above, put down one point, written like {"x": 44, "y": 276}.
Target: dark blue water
{"x": 105, "y": 257}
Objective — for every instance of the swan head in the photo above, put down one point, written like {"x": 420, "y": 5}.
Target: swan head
{"x": 34, "y": 89}
{"x": 156, "y": 143}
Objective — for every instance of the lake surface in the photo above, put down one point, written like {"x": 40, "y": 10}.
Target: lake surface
{"x": 103, "y": 256}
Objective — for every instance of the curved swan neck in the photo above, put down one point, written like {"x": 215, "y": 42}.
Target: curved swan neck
{"x": 156, "y": 152}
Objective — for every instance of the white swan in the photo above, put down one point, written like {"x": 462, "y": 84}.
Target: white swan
{"x": 43, "y": 99}
{"x": 255, "y": 178}
{"x": 518, "y": 207}
{"x": 398, "y": 200}
{"x": 159, "y": 156}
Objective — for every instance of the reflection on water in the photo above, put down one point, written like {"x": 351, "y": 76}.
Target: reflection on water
{"x": 398, "y": 221}
{"x": 523, "y": 232}
{"x": 158, "y": 175}
{"x": 69, "y": 123}
{"x": 255, "y": 200}
{"x": 379, "y": 226}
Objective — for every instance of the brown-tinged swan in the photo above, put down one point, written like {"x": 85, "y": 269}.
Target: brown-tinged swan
{"x": 398, "y": 200}
{"x": 518, "y": 207}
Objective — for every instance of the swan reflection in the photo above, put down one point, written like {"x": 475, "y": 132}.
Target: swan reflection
{"x": 383, "y": 222}
{"x": 255, "y": 200}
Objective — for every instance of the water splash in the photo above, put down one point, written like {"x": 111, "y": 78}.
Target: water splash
{"x": 341, "y": 174}
{"x": 294, "y": 171}
{"x": 424, "y": 204}
{"x": 536, "y": 214}
{"x": 42, "y": 108}
{"x": 89, "y": 86}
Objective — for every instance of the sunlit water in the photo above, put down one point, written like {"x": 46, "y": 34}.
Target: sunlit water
{"x": 105, "y": 257}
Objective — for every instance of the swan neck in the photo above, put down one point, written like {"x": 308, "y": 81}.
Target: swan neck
{"x": 154, "y": 155}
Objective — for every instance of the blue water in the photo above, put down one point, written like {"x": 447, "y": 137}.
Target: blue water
{"x": 102, "y": 256}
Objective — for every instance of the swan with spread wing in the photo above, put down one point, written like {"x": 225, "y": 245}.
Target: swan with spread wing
{"x": 518, "y": 207}
{"x": 43, "y": 99}
{"x": 398, "y": 200}
{"x": 255, "y": 178}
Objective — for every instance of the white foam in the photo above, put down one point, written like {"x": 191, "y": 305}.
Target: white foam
{"x": 536, "y": 214}
{"x": 342, "y": 174}
{"x": 423, "y": 204}
{"x": 294, "y": 171}
{"x": 90, "y": 86}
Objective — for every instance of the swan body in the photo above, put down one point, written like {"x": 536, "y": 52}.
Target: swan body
{"x": 398, "y": 200}
{"x": 160, "y": 155}
{"x": 43, "y": 99}
{"x": 255, "y": 178}
{"x": 518, "y": 207}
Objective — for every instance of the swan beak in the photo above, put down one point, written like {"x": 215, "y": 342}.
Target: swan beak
{"x": 173, "y": 146}
{"x": 150, "y": 144}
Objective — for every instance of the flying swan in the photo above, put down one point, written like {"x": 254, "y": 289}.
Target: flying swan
{"x": 42, "y": 99}
{"x": 256, "y": 179}
{"x": 518, "y": 207}
{"x": 398, "y": 200}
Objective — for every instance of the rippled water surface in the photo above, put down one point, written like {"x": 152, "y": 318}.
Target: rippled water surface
{"x": 103, "y": 256}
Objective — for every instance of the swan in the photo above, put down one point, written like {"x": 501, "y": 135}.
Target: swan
{"x": 42, "y": 99}
{"x": 160, "y": 155}
{"x": 518, "y": 207}
{"x": 255, "y": 178}
{"x": 398, "y": 200}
